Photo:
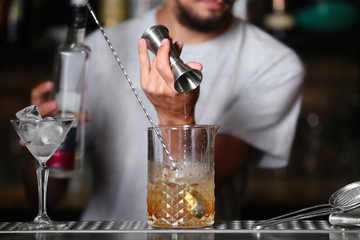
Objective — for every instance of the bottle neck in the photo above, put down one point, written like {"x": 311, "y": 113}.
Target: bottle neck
{"x": 76, "y": 24}
{"x": 75, "y": 35}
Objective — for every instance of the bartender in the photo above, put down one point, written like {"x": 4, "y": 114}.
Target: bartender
{"x": 251, "y": 87}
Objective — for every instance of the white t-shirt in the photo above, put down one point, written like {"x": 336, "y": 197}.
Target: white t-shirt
{"x": 251, "y": 87}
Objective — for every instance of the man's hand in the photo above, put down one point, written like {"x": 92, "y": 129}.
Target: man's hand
{"x": 157, "y": 82}
{"x": 39, "y": 98}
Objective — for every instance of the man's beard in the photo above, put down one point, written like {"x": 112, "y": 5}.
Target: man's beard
{"x": 191, "y": 20}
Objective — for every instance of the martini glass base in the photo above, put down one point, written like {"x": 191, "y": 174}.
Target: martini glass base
{"x": 42, "y": 225}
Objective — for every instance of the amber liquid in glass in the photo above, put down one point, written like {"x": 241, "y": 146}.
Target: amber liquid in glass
{"x": 180, "y": 198}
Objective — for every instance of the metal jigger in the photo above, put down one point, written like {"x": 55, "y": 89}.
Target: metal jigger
{"x": 186, "y": 79}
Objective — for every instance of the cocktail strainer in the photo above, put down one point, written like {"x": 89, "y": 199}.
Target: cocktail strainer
{"x": 344, "y": 199}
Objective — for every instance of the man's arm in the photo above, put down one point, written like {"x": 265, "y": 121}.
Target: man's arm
{"x": 231, "y": 155}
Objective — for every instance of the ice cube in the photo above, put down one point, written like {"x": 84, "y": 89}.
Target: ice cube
{"x": 195, "y": 202}
{"x": 27, "y": 131}
{"x": 50, "y": 132}
{"x": 30, "y": 113}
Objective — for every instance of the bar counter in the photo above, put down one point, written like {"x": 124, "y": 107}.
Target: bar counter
{"x": 124, "y": 230}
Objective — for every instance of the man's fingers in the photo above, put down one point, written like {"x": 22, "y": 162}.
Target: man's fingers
{"x": 158, "y": 77}
{"x": 162, "y": 64}
{"x": 38, "y": 93}
{"x": 178, "y": 45}
{"x": 195, "y": 65}
{"x": 38, "y": 98}
{"x": 144, "y": 61}
{"x": 47, "y": 108}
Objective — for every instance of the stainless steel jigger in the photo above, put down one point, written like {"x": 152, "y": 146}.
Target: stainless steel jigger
{"x": 186, "y": 79}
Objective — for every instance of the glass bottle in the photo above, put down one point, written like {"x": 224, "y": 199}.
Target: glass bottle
{"x": 69, "y": 78}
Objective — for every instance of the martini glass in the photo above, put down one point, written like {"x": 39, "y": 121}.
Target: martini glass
{"x": 42, "y": 138}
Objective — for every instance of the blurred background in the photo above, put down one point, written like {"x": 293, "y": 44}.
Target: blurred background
{"x": 326, "y": 153}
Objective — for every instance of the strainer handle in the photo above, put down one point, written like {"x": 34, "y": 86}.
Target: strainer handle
{"x": 325, "y": 210}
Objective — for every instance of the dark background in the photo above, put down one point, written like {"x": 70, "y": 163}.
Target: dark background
{"x": 325, "y": 155}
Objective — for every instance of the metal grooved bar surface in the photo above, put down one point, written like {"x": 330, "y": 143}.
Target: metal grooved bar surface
{"x": 219, "y": 226}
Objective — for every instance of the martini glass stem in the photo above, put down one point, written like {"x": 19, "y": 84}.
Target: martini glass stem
{"x": 42, "y": 173}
